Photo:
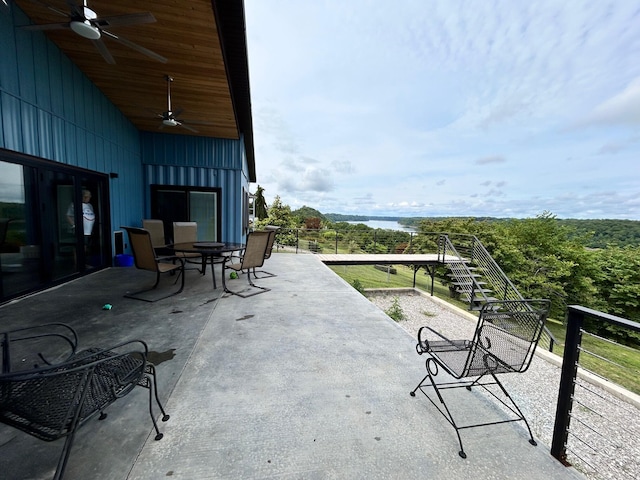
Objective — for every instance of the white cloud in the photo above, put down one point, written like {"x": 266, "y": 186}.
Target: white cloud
{"x": 435, "y": 107}
{"x": 621, "y": 109}
{"x": 490, "y": 159}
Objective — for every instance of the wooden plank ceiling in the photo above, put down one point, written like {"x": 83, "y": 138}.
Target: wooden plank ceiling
{"x": 184, "y": 33}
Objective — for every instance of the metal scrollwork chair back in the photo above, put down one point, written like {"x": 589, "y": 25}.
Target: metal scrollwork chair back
{"x": 505, "y": 339}
{"x": 49, "y": 390}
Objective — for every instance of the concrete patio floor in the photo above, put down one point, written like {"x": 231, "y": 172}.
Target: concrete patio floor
{"x": 307, "y": 381}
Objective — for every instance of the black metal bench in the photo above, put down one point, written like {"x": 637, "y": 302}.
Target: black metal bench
{"x": 49, "y": 389}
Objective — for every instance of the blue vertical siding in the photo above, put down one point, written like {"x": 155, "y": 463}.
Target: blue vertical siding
{"x": 50, "y": 109}
{"x": 11, "y": 122}
{"x": 203, "y": 162}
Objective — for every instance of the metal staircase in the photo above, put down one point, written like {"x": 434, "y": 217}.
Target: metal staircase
{"x": 476, "y": 276}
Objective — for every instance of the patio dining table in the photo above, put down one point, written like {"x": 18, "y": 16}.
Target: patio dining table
{"x": 213, "y": 252}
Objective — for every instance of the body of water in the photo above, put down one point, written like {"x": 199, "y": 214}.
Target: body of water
{"x": 386, "y": 224}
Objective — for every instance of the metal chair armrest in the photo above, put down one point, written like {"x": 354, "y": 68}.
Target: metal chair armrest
{"x": 423, "y": 345}
{"x": 20, "y": 336}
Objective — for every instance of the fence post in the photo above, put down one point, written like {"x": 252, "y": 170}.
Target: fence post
{"x": 575, "y": 320}
{"x": 473, "y": 249}
{"x": 336, "y": 232}
{"x": 297, "y": 239}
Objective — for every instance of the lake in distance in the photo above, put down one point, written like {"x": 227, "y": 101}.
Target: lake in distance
{"x": 386, "y": 224}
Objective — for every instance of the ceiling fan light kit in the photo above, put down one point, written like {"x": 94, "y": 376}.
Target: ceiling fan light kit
{"x": 85, "y": 29}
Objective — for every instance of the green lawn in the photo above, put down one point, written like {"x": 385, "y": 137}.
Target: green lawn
{"x": 622, "y": 365}
{"x": 371, "y": 277}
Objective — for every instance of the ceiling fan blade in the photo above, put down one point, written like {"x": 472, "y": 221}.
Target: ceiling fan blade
{"x": 177, "y": 111}
{"x": 50, "y": 7}
{"x": 76, "y": 8}
{"x": 104, "y": 51}
{"x": 135, "y": 46}
{"x": 197, "y": 122}
{"x": 187, "y": 127}
{"x": 48, "y": 26}
{"x": 122, "y": 20}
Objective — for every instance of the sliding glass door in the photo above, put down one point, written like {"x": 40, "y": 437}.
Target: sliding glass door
{"x": 188, "y": 204}
{"x": 54, "y": 223}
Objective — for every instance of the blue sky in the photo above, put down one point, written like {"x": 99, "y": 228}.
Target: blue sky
{"x": 448, "y": 108}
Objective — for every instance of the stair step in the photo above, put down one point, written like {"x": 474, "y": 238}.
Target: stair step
{"x": 477, "y": 290}
{"x": 468, "y": 283}
{"x": 479, "y": 299}
{"x": 465, "y": 274}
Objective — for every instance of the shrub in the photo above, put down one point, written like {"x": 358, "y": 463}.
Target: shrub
{"x": 395, "y": 310}
{"x": 358, "y": 286}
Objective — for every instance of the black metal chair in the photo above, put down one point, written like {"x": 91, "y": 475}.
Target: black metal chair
{"x": 505, "y": 339}
{"x": 146, "y": 258}
{"x": 53, "y": 397}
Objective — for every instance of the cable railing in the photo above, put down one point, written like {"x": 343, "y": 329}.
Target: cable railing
{"x": 595, "y": 431}
{"x": 344, "y": 241}
{"x": 482, "y": 279}
{"x": 465, "y": 280}
{"x": 476, "y": 275}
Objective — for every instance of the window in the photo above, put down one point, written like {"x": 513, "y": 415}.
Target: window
{"x": 188, "y": 204}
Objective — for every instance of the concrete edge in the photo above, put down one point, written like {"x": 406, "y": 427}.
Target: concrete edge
{"x": 589, "y": 377}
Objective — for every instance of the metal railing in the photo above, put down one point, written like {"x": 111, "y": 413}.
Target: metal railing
{"x": 593, "y": 431}
{"x": 480, "y": 277}
{"x": 339, "y": 241}
{"x": 465, "y": 279}
{"x": 468, "y": 249}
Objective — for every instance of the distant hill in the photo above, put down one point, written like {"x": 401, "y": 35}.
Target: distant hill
{"x": 603, "y": 232}
{"x": 338, "y": 217}
{"x": 305, "y": 212}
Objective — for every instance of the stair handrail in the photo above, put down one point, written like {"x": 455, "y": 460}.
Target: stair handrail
{"x": 483, "y": 258}
{"x": 459, "y": 268}
{"x": 498, "y": 279}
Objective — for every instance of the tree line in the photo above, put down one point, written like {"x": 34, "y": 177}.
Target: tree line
{"x": 545, "y": 257}
{"x": 549, "y": 258}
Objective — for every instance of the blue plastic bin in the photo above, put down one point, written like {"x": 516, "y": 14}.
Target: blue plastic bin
{"x": 124, "y": 260}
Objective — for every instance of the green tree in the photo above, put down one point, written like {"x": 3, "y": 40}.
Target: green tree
{"x": 280, "y": 215}
{"x": 542, "y": 258}
{"x": 260, "y": 204}
{"x": 618, "y": 281}
{"x": 304, "y": 212}
{"x": 545, "y": 259}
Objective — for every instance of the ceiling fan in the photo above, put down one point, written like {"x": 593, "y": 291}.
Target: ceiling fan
{"x": 88, "y": 24}
{"x": 169, "y": 117}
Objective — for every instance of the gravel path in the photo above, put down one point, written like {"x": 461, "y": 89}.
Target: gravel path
{"x": 611, "y": 454}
